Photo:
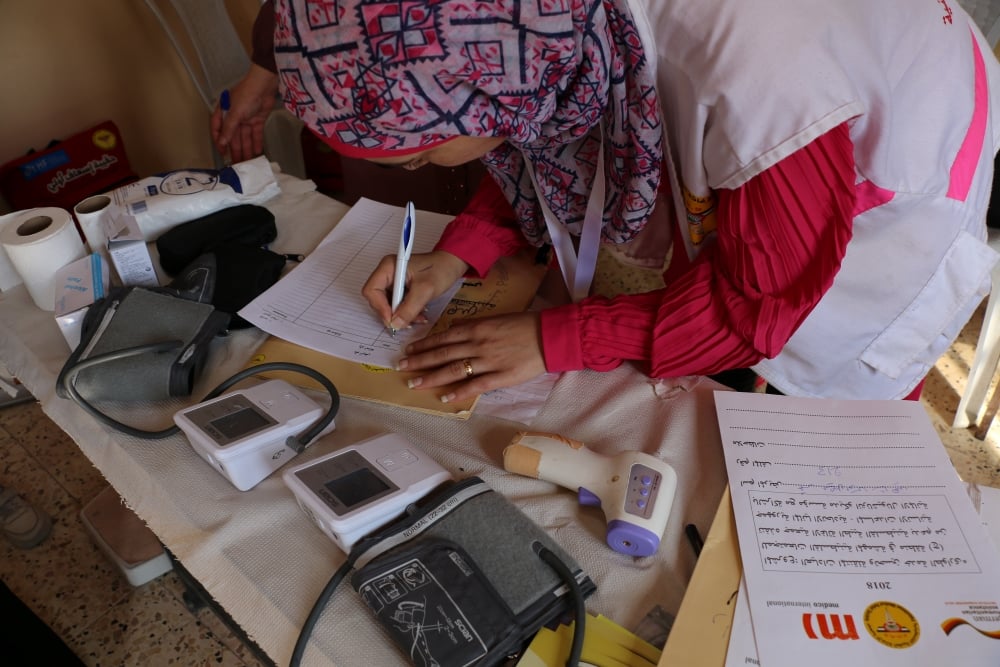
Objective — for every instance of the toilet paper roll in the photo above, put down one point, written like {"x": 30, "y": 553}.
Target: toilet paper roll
{"x": 92, "y": 213}
{"x": 9, "y": 277}
{"x": 39, "y": 242}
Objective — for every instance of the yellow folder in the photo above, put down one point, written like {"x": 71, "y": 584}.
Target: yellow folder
{"x": 700, "y": 634}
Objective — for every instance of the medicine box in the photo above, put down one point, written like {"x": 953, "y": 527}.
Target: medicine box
{"x": 77, "y": 286}
{"x": 129, "y": 253}
{"x": 124, "y": 538}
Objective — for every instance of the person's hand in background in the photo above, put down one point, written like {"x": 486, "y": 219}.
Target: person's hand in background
{"x": 239, "y": 132}
{"x": 429, "y": 275}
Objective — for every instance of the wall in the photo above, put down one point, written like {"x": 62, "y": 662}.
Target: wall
{"x": 69, "y": 64}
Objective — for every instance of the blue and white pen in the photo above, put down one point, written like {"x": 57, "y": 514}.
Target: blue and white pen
{"x": 224, "y": 105}
{"x": 402, "y": 259}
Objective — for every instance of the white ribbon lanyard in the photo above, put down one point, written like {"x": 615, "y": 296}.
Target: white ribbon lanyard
{"x": 578, "y": 271}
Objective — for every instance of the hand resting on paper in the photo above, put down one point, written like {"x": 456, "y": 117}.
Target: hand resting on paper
{"x": 479, "y": 354}
{"x": 239, "y": 132}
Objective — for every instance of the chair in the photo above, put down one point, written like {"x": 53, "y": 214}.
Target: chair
{"x": 986, "y": 14}
{"x": 986, "y": 358}
{"x": 215, "y": 59}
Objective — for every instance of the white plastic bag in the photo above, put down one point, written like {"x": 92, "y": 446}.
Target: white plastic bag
{"x": 161, "y": 202}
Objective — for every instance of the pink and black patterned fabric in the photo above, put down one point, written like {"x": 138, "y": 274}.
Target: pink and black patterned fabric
{"x": 391, "y": 77}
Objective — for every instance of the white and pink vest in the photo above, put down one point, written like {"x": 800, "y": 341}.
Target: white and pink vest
{"x": 745, "y": 84}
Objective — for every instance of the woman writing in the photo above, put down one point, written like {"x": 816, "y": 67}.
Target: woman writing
{"x": 829, "y": 166}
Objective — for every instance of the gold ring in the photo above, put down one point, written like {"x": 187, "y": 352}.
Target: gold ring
{"x": 468, "y": 368}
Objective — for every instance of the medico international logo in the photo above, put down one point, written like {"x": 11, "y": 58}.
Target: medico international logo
{"x": 891, "y": 624}
{"x": 829, "y": 626}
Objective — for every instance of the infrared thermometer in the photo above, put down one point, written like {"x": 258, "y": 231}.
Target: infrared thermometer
{"x": 633, "y": 489}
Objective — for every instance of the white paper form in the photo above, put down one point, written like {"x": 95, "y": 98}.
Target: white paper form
{"x": 858, "y": 541}
{"x": 319, "y": 304}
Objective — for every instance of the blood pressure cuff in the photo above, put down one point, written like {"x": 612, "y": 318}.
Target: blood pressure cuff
{"x": 128, "y": 318}
{"x": 461, "y": 581}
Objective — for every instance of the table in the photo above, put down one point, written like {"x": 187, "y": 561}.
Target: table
{"x": 264, "y": 562}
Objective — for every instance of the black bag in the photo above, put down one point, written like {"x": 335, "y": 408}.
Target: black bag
{"x": 174, "y": 332}
{"x": 244, "y": 225}
{"x": 220, "y": 259}
{"x": 230, "y": 278}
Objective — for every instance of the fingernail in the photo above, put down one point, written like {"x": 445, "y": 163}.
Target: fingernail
{"x": 396, "y": 324}
{"x": 402, "y": 364}
{"x": 413, "y": 383}
{"x": 447, "y": 398}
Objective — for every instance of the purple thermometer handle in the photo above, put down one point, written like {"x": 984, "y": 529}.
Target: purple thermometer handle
{"x": 622, "y": 536}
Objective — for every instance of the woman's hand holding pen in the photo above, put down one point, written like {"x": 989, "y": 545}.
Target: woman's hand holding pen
{"x": 475, "y": 355}
{"x": 429, "y": 275}
{"x": 239, "y": 131}
{"x": 478, "y": 355}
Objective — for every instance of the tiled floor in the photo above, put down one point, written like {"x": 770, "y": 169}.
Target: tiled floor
{"x": 73, "y": 586}
{"x": 81, "y": 594}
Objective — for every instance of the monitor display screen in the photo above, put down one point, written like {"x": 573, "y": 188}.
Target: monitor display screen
{"x": 240, "y": 423}
{"x": 356, "y": 487}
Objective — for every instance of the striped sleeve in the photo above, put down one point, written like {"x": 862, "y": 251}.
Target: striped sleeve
{"x": 780, "y": 241}
{"x": 484, "y": 231}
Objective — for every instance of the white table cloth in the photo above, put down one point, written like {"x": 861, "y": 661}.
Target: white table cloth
{"x": 262, "y": 559}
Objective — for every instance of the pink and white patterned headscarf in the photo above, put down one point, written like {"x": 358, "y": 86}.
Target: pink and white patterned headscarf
{"x": 391, "y": 77}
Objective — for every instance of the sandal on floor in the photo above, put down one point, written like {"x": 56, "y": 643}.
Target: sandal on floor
{"x": 23, "y": 525}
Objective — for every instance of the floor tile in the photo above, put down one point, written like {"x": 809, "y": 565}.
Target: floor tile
{"x": 150, "y": 628}
{"x": 219, "y": 628}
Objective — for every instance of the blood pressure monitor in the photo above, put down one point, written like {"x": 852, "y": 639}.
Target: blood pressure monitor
{"x": 243, "y": 434}
{"x": 360, "y": 488}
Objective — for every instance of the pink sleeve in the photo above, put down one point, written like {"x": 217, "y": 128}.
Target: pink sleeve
{"x": 780, "y": 240}
{"x": 484, "y": 231}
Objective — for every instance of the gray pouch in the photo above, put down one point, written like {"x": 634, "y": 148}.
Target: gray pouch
{"x": 464, "y": 581}
{"x": 176, "y": 331}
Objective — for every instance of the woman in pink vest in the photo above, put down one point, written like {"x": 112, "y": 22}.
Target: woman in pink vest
{"x": 823, "y": 170}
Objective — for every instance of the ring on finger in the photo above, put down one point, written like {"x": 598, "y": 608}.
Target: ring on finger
{"x": 468, "y": 368}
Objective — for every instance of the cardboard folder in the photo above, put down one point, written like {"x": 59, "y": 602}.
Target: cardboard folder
{"x": 700, "y": 634}
{"x": 509, "y": 287}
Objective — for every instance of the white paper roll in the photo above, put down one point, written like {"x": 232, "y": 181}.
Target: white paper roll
{"x": 39, "y": 242}
{"x": 9, "y": 277}
{"x": 92, "y": 213}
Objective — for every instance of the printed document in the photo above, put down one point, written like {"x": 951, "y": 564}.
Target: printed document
{"x": 859, "y": 543}
{"x": 319, "y": 304}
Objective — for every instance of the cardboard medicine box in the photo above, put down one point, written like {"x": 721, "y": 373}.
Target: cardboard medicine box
{"x": 128, "y": 251}
{"x": 78, "y": 285}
